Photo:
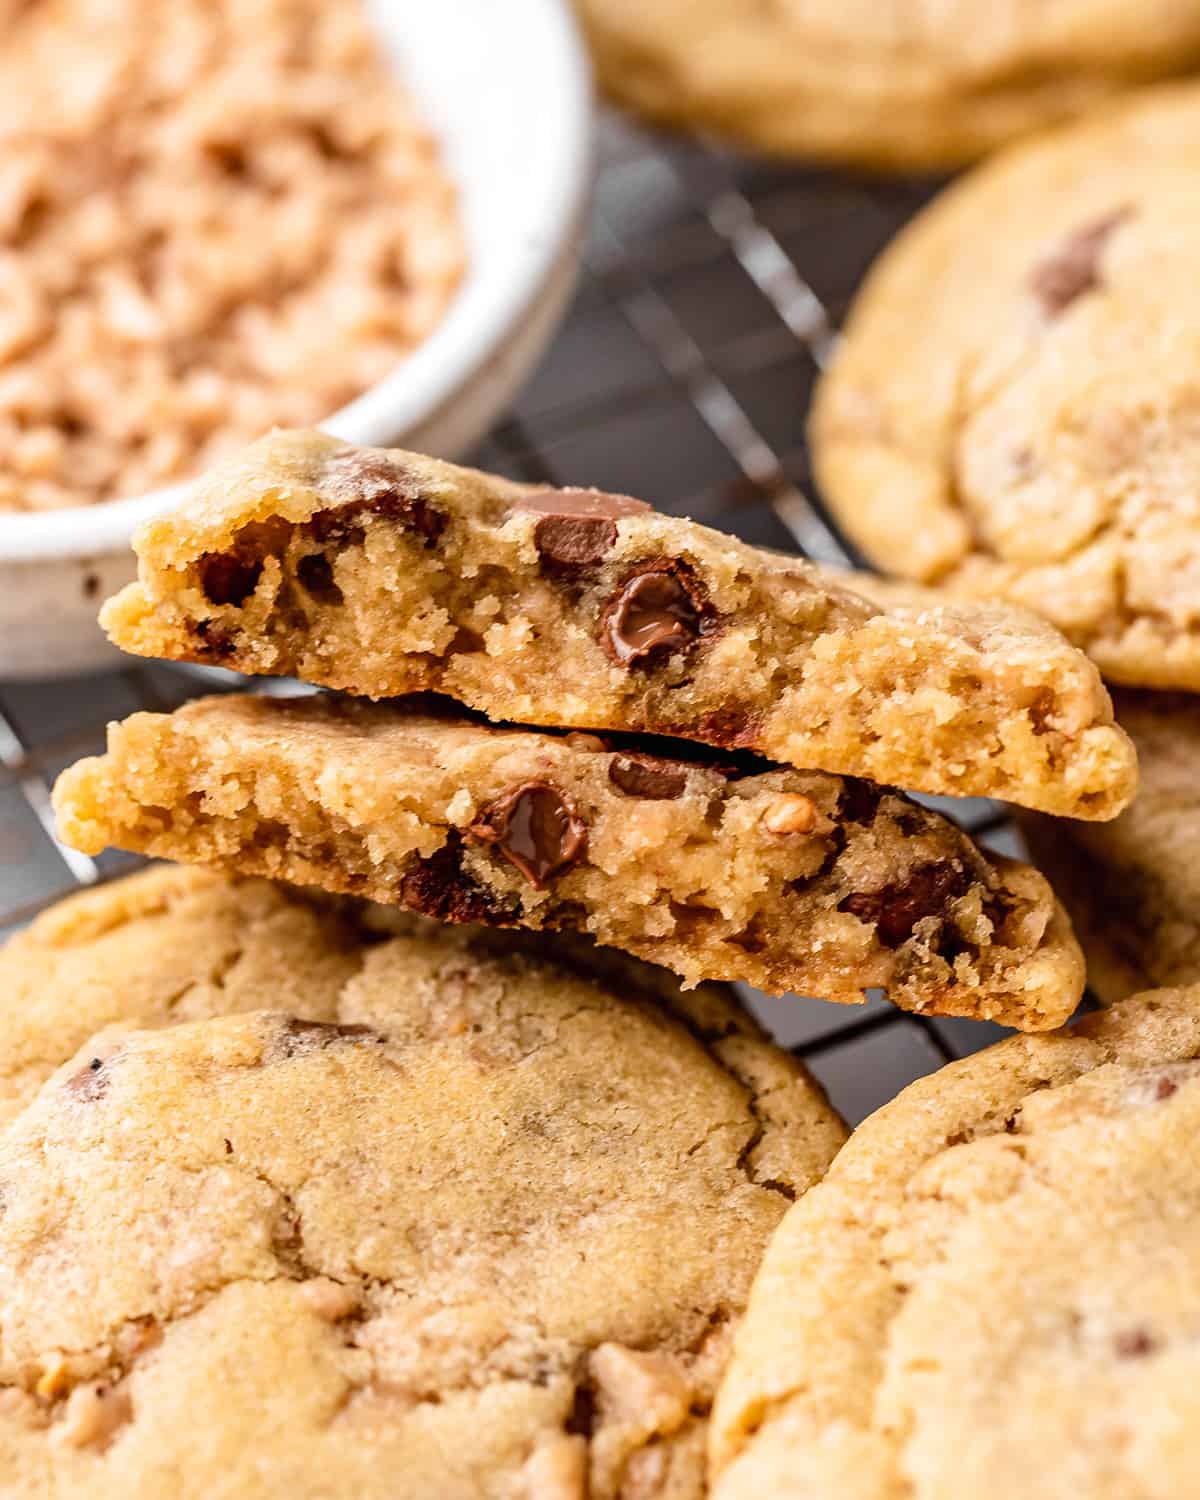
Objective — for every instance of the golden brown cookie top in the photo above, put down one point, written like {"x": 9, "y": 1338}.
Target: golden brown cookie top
{"x": 481, "y": 1227}
{"x": 1013, "y": 414}
{"x": 995, "y": 1290}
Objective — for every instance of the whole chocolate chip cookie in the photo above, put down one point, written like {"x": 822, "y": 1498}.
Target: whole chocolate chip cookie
{"x": 719, "y": 868}
{"x": 459, "y": 1223}
{"x": 995, "y": 1291}
{"x": 1014, "y": 413}
{"x": 1133, "y": 890}
{"x": 384, "y": 573}
{"x": 900, "y": 84}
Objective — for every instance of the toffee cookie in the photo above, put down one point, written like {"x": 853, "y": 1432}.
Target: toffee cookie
{"x": 1133, "y": 889}
{"x": 484, "y": 1230}
{"x": 1013, "y": 412}
{"x": 790, "y": 880}
{"x": 898, "y": 85}
{"x": 996, "y": 1289}
{"x": 382, "y": 573}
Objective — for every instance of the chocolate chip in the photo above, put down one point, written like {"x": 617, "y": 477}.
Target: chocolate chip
{"x": 439, "y": 887}
{"x": 578, "y": 528}
{"x": 296, "y": 1037}
{"x": 1074, "y": 267}
{"x": 567, "y": 544}
{"x": 896, "y": 909}
{"x": 647, "y": 776}
{"x": 1165, "y": 1088}
{"x": 367, "y": 484}
{"x": 90, "y": 1082}
{"x": 315, "y": 573}
{"x": 228, "y": 578}
{"x": 1134, "y": 1343}
{"x": 536, "y": 828}
{"x": 660, "y": 608}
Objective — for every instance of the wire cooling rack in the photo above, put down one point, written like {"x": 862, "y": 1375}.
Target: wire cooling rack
{"x": 710, "y": 297}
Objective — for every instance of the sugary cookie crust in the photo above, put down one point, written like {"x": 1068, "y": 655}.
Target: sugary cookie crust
{"x": 1013, "y": 414}
{"x": 382, "y": 573}
{"x": 995, "y": 1290}
{"x": 479, "y": 1227}
{"x": 898, "y": 85}
{"x": 789, "y": 880}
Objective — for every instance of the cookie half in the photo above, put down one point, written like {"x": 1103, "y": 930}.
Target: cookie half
{"x": 383, "y": 573}
{"x": 995, "y": 1291}
{"x": 790, "y": 880}
{"x": 1133, "y": 887}
{"x": 881, "y": 85}
{"x": 480, "y": 1226}
{"x": 1013, "y": 414}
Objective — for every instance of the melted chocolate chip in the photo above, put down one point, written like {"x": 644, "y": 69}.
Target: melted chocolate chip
{"x": 1073, "y": 268}
{"x": 90, "y": 1082}
{"x": 536, "y": 828}
{"x": 296, "y": 1037}
{"x": 648, "y": 777}
{"x": 1165, "y": 1088}
{"x": 659, "y": 609}
{"x": 315, "y": 573}
{"x": 439, "y": 887}
{"x": 896, "y": 909}
{"x": 228, "y": 578}
{"x": 578, "y": 528}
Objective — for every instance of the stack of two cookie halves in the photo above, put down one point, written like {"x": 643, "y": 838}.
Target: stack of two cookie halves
{"x": 308, "y": 1194}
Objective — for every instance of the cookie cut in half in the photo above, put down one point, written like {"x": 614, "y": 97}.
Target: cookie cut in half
{"x": 383, "y": 573}
{"x": 416, "y": 1244}
{"x": 1133, "y": 887}
{"x": 996, "y": 1289}
{"x": 790, "y": 880}
{"x": 1013, "y": 412}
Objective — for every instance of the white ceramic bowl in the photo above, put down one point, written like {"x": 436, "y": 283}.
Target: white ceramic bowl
{"x": 505, "y": 86}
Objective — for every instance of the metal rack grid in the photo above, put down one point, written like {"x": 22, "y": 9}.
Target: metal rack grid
{"x": 711, "y": 291}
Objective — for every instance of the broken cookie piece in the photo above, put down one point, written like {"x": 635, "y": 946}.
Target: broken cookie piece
{"x": 789, "y": 880}
{"x": 383, "y": 573}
